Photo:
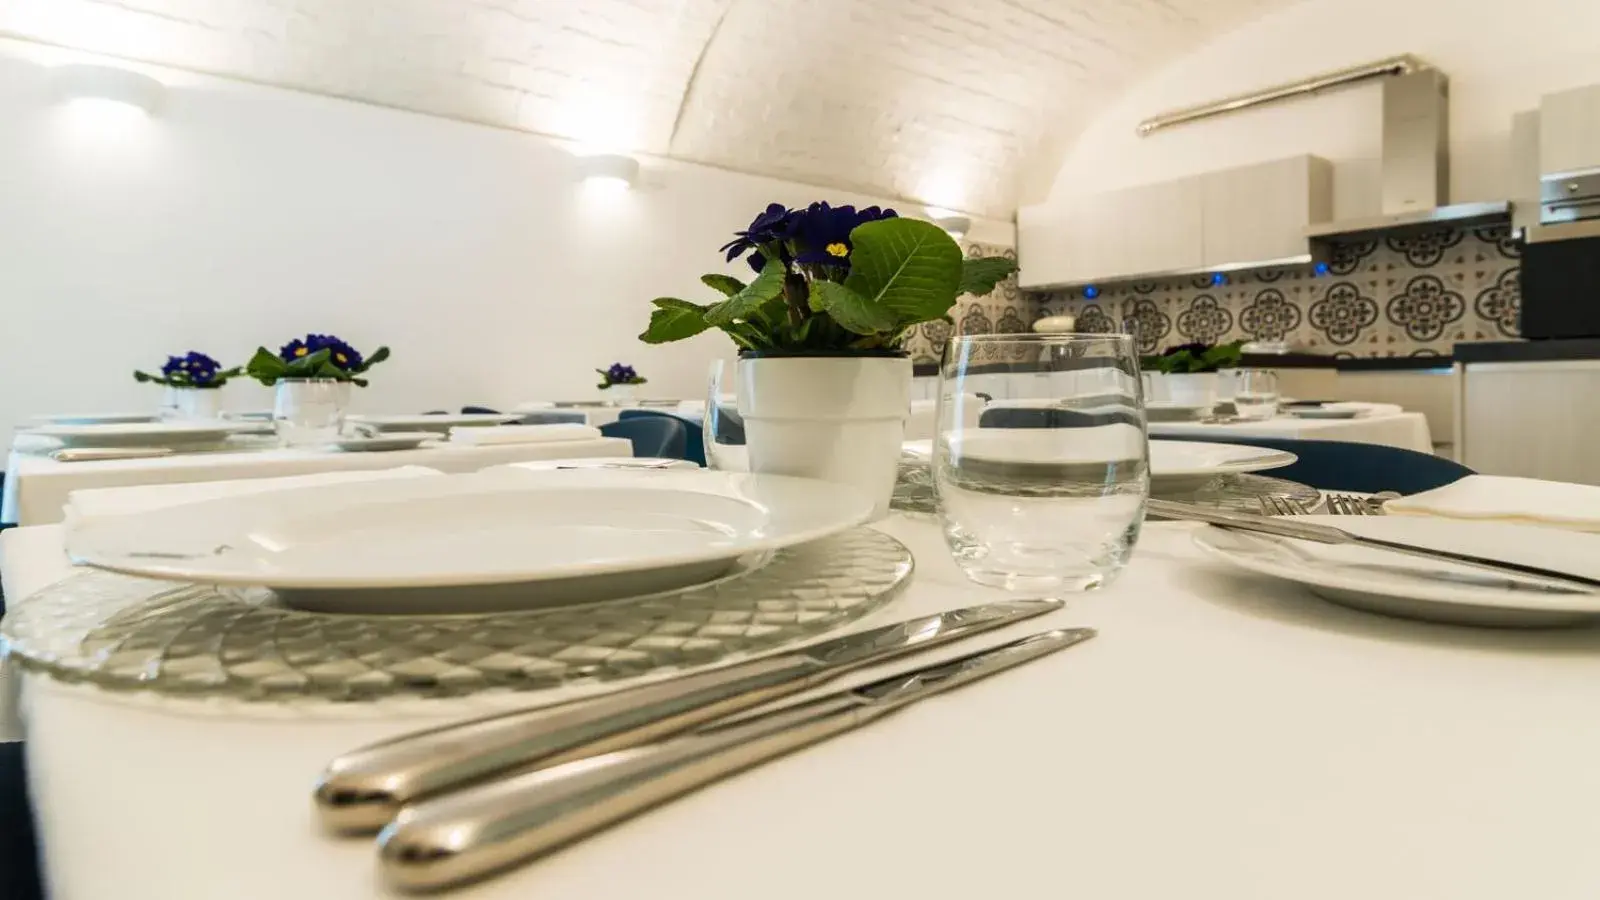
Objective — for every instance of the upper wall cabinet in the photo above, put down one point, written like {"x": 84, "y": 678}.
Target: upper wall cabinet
{"x": 1252, "y": 214}
{"x": 1259, "y": 213}
{"x": 1569, "y": 131}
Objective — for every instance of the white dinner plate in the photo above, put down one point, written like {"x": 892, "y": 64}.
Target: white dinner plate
{"x": 387, "y": 440}
{"x": 140, "y": 434}
{"x": 1416, "y": 588}
{"x": 1325, "y": 412}
{"x": 440, "y": 423}
{"x": 500, "y": 538}
{"x": 94, "y": 418}
{"x": 1175, "y": 466}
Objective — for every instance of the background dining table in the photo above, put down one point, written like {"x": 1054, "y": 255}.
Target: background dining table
{"x": 1389, "y": 426}
{"x": 36, "y": 486}
{"x": 1225, "y": 736}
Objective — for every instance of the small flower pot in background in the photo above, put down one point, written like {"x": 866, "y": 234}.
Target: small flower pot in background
{"x": 310, "y": 411}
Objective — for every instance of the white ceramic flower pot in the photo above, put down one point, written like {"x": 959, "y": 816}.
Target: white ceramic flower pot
{"x": 309, "y": 411}
{"x": 836, "y": 418}
{"x": 622, "y": 394}
{"x": 169, "y": 403}
{"x": 1189, "y": 388}
{"x": 197, "y": 404}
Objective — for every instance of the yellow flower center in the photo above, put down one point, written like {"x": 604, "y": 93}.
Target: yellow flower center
{"x": 338, "y": 357}
{"x": 299, "y": 351}
{"x": 837, "y": 249}
{"x": 184, "y": 364}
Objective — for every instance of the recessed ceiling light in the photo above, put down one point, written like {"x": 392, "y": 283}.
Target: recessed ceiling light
{"x": 82, "y": 84}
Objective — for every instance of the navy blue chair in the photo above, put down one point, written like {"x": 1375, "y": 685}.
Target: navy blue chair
{"x": 19, "y": 855}
{"x": 1349, "y": 466}
{"x": 479, "y": 411}
{"x": 694, "y": 441}
{"x": 657, "y": 436}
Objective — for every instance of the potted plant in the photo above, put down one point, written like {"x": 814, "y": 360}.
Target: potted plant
{"x": 1187, "y": 373}
{"x": 823, "y": 382}
{"x": 620, "y": 382}
{"x": 312, "y": 377}
{"x": 193, "y": 382}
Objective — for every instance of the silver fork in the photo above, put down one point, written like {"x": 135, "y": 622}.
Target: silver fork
{"x": 1352, "y": 505}
{"x": 1273, "y": 505}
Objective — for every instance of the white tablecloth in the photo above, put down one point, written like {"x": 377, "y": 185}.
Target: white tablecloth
{"x": 37, "y": 486}
{"x": 1225, "y": 738}
{"x": 1408, "y": 430}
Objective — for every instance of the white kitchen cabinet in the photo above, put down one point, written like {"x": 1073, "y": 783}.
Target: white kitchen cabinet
{"x": 1251, "y": 214}
{"x": 1569, "y": 130}
{"x": 1155, "y": 228}
{"x": 1259, "y": 213}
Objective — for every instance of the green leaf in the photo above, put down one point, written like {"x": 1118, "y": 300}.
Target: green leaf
{"x": 727, "y": 284}
{"x": 378, "y": 356}
{"x": 142, "y": 377}
{"x": 979, "y": 276}
{"x": 855, "y": 312}
{"x": 906, "y": 266}
{"x": 747, "y": 301}
{"x": 266, "y": 367}
{"x": 674, "y": 320}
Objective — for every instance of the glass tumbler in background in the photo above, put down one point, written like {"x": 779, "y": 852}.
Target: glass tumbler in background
{"x": 1041, "y": 488}
{"x": 722, "y": 428}
{"x": 1255, "y": 395}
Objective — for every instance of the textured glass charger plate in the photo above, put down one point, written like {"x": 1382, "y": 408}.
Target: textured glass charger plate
{"x": 126, "y": 633}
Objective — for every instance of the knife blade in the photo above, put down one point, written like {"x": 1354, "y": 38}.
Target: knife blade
{"x": 363, "y": 790}
{"x": 484, "y": 829}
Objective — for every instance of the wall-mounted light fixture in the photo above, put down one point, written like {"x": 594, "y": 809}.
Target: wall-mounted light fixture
{"x": 955, "y": 226}
{"x": 109, "y": 87}
{"x": 611, "y": 171}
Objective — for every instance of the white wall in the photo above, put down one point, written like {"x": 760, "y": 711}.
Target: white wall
{"x": 1500, "y": 56}
{"x": 242, "y": 215}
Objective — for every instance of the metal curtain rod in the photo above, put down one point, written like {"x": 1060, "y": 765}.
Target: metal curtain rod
{"x": 1396, "y": 65}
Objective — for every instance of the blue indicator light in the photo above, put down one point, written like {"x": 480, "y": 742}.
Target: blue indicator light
{"x": 1090, "y": 292}
{"x": 1320, "y": 268}
{"x": 1218, "y": 279}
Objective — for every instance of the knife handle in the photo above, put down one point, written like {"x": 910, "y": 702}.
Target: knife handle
{"x": 481, "y": 830}
{"x": 364, "y": 790}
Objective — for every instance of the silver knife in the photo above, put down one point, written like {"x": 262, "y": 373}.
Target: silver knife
{"x": 363, "y": 790}
{"x": 1291, "y": 527}
{"x": 486, "y": 828}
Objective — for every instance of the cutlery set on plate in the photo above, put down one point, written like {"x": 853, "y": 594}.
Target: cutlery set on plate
{"x": 454, "y": 804}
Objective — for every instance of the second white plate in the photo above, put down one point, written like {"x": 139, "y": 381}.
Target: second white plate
{"x": 139, "y": 434}
{"x": 1416, "y": 588}
{"x": 576, "y": 535}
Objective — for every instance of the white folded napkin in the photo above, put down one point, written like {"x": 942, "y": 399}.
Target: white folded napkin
{"x": 523, "y": 434}
{"x": 1575, "y": 507}
{"x": 1366, "y": 409}
{"x": 97, "y": 503}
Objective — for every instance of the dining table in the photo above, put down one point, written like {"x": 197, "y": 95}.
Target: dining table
{"x": 37, "y": 486}
{"x": 1384, "y": 424}
{"x": 1226, "y": 735}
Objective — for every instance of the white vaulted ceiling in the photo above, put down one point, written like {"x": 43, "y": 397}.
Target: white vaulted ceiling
{"x": 957, "y": 103}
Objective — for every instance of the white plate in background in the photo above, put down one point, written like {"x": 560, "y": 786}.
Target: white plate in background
{"x": 140, "y": 434}
{"x": 441, "y": 423}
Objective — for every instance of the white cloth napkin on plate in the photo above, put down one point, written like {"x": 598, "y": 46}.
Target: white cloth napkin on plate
{"x": 97, "y": 503}
{"x": 523, "y": 434}
{"x": 1575, "y": 507}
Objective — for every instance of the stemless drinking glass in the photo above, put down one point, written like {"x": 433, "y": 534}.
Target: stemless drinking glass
{"x": 1255, "y": 395}
{"x": 1040, "y": 458}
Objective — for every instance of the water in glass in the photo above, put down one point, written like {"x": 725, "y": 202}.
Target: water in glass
{"x": 1040, "y": 458}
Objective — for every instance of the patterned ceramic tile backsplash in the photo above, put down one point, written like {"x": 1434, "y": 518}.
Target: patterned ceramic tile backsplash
{"x": 1401, "y": 296}
{"x": 1003, "y": 310}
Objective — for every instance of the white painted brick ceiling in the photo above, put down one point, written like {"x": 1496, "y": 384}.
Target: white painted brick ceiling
{"x": 952, "y": 102}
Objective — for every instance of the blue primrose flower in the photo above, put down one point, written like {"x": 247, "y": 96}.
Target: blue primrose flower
{"x": 341, "y": 354}
{"x": 772, "y": 226}
{"x": 822, "y": 232}
{"x": 195, "y": 367}
{"x": 620, "y": 374}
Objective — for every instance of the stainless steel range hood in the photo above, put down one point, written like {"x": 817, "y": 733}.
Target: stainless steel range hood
{"x": 1416, "y": 147}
